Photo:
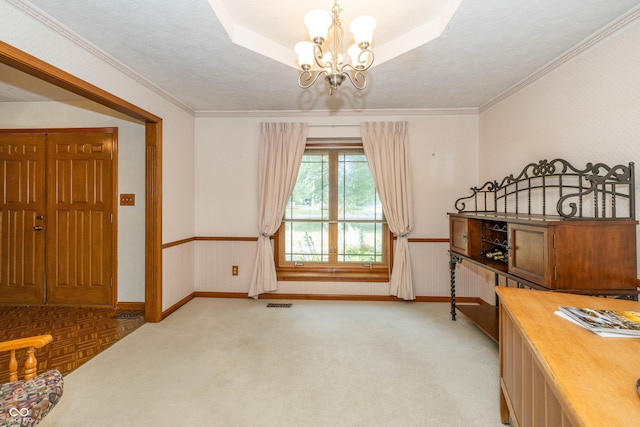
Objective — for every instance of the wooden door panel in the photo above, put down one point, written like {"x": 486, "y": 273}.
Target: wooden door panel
{"x": 529, "y": 257}
{"x": 459, "y": 238}
{"x": 79, "y": 251}
{"x": 22, "y": 167}
{"x": 24, "y": 245}
{"x": 81, "y": 206}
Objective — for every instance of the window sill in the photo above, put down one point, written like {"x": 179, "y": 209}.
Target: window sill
{"x": 332, "y": 275}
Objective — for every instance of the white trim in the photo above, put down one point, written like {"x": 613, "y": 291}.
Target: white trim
{"x": 59, "y": 28}
{"x": 331, "y": 113}
{"x": 586, "y": 44}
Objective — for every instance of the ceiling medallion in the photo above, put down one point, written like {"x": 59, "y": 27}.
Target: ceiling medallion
{"x": 322, "y": 56}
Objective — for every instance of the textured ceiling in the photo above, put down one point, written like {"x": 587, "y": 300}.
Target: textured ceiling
{"x": 183, "y": 48}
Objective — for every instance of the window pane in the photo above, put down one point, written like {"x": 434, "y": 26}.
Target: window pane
{"x": 306, "y": 241}
{"x": 359, "y": 242}
{"x": 310, "y": 196}
{"x": 348, "y": 231}
{"x": 357, "y": 197}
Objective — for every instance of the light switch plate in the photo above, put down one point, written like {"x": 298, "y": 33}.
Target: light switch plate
{"x": 127, "y": 199}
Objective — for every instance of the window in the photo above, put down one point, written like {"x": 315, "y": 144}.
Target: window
{"x": 333, "y": 227}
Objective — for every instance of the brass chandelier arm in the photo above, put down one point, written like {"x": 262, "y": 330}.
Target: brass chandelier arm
{"x": 357, "y": 78}
{"x": 364, "y": 56}
{"x": 319, "y": 57}
{"x": 360, "y": 57}
{"x": 307, "y": 78}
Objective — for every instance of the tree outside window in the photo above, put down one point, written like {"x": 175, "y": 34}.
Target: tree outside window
{"x": 333, "y": 225}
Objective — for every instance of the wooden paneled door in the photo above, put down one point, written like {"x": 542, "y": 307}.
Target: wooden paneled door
{"x": 22, "y": 239}
{"x": 77, "y": 219}
{"x": 79, "y": 212}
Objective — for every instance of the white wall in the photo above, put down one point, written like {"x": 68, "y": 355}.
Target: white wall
{"x": 586, "y": 110}
{"x": 443, "y": 149}
{"x": 444, "y": 152}
{"x": 38, "y": 36}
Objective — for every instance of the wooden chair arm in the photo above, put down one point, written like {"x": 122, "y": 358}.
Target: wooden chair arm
{"x": 30, "y": 364}
{"x": 35, "y": 342}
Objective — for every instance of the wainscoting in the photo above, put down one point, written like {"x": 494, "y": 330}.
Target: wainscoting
{"x": 204, "y": 265}
{"x": 177, "y": 272}
{"x": 214, "y": 260}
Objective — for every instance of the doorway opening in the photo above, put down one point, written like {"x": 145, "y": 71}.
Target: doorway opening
{"x": 29, "y": 64}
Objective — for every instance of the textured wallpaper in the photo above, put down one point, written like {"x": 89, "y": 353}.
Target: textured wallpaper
{"x": 587, "y": 110}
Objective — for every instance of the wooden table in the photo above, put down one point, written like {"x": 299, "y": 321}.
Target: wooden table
{"x": 554, "y": 373}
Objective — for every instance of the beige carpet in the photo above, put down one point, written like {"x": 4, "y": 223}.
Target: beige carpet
{"x": 235, "y": 362}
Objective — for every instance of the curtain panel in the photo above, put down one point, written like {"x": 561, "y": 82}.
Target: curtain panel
{"x": 280, "y": 154}
{"x": 386, "y": 147}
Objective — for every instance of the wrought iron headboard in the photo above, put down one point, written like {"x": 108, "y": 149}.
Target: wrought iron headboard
{"x": 597, "y": 191}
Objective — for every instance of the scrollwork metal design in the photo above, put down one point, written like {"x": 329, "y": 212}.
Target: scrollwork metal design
{"x": 488, "y": 187}
{"x": 618, "y": 174}
{"x": 596, "y": 179}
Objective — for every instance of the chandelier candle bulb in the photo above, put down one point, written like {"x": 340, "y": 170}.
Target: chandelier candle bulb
{"x": 318, "y": 22}
{"x": 304, "y": 50}
{"x": 362, "y": 29}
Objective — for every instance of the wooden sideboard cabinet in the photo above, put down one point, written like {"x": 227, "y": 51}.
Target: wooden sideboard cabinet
{"x": 554, "y": 373}
{"x": 587, "y": 245}
{"x": 593, "y": 257}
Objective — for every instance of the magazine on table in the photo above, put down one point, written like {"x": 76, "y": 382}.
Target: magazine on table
{"x": 606, "y": 323}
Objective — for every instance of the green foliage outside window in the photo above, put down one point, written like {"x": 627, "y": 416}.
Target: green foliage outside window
{"x": 357, "y": 211}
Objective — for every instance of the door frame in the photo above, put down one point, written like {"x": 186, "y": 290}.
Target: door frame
{"x": 29, "y": 64}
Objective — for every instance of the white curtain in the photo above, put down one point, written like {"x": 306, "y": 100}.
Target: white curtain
{"x": 386, "y": 147}
{"x": 281, "y": 149}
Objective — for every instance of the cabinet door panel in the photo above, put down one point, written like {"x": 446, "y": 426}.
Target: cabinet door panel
{"x": 529, "y": 255}
{"x": 459, "y": 237}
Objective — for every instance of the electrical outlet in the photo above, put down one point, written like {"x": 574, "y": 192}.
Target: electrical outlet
{"x": 234, "y": 270}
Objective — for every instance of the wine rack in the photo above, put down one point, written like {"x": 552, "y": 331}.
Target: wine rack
{"x": 494, "y": 241}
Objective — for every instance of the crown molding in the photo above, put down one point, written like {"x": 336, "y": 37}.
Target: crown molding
{"x": 583, "y": 46}
{"x": 65, "y": 32}
{"x": 343, "y": 113}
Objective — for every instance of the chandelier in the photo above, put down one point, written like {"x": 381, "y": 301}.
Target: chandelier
{"x": 323, "y": 55}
